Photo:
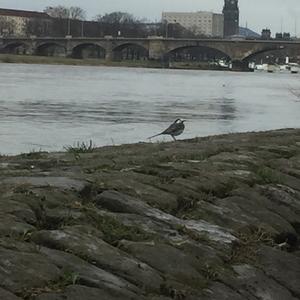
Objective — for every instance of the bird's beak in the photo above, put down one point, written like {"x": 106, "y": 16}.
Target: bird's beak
{"x": 183, "y": 121}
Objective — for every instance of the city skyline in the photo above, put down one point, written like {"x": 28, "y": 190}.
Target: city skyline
{"x": 273, "y": 14}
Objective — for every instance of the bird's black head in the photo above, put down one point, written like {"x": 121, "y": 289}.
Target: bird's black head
{"x": 179, "y": 121}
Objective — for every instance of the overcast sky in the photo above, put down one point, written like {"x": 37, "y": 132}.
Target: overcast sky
{"x": 257, "y": 13}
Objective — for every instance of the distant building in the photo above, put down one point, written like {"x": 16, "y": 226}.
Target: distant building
{"x": 14, "y": 22}
{"x": 248, "y": 33}
{"x": 200, "y": 23}
{"x": 286, "y": 36}
{"x": 231, "y": 18}
{"x": 266, "y": 34}
{"x": 283, "y": 36}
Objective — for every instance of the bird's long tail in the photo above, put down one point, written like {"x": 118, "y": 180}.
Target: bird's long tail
{"x": 149, "y": 138}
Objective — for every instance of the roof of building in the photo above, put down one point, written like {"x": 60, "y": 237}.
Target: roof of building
{"x": 246, "y": 32}
{"x": 23, "y": 13}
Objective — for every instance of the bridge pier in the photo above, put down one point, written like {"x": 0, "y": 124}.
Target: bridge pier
{"x": 109, "y": 55}
{"x": 30, "y": 50}
{"x": 240, "y": 66}
{"x": 157, "y": 50}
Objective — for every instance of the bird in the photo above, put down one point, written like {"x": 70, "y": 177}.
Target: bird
{"x": 173, "y": 130}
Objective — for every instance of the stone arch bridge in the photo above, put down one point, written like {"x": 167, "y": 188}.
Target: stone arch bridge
{"x": 155, "y": 48}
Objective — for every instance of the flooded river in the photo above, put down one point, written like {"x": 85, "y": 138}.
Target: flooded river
{"x": 48, "y": 107}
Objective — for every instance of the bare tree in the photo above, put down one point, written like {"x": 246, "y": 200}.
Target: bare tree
{"x": 38, "y": 27}
{"x": 60, "y": 12}
{"x": 63, "y": 12}
{"x": 77, "y": 13}
{"x": 117, "y": 17}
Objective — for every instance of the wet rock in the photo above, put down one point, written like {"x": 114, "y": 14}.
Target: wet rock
{"x": 87, "y": 244}
{"x": 121, "y": 203}
{"x": 282, "y": 266}
{"x": 12, "y": 226}
{"x": 21, "y": 270}
{"x": 260, "y": 285}
{"x": 219, "y": 291}
{"x": 47, "y": 181}
{"x": 284, "y": 200}
{"x": 89, "y": 274}
{"x": 78, "y": 292}
{"x": 21, "y": 210}
{"x": 59, "y": 216}
{"x": 267, "y": 215}
{"x": 5, "y": 295}
{"x": 211, "y": 218}
{"x": 19, "y": 245}
{"x": 168, "y": 260}
{"x": 141, "y": 186}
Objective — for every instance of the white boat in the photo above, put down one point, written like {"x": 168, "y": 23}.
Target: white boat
{"x": 261, "y": 67}
{"x": 271, "y": 68}
{"x": 295, "y": 68}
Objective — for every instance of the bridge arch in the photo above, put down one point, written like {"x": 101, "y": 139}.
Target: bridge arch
{"x": 130, "y": 51}
{"x": 51, "y": 49}
{"x": 252, "y": 53}
{"x": 196, "y": 52}
{"x": 16, "y": 48}
{"x": 88, "y": 50}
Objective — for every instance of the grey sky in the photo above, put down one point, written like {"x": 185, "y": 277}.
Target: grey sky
{"x": 258, "y": 13}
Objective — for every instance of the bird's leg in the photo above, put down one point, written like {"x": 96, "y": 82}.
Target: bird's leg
{"x": 173, "y": 138}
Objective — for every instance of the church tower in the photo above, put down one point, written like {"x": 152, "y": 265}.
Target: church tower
{"x": 231, "y": 17}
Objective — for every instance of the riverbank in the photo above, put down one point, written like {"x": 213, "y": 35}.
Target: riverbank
{"x": 51, "y": 60}
{"x": 209, "y": 218}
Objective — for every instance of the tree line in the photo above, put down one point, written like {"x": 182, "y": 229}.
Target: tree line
{"x": 72, "y": 21}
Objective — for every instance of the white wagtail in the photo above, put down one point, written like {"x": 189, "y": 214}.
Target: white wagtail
{"x": 173, "y": 130}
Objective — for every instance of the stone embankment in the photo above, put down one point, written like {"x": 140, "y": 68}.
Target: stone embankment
{"x": 212, "y": 218}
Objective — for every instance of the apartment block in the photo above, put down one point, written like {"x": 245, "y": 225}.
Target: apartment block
{"x": 14, "y": 22}
{"x": 200, "y": 23}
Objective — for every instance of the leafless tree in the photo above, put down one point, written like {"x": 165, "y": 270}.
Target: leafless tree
{"x": 60, "y": 12}
{"x": 38, "y": 27}
{"x": 77, "y": 13}
{"x": 117, "y": 17}
{"x": 63, "y": 12}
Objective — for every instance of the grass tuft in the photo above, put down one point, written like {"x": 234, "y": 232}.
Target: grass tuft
{"x": 81, "y": 147}
{"x": 245, "y": 250}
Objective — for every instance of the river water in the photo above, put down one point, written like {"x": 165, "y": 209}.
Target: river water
{"x": 48, "y": 107}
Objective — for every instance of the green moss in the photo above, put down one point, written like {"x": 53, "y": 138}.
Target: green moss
{"x": 211, "y": 272}
{"x": 67, "y": 278}
{"x": 115, "y": 231}
{"x": 267, "y": 175}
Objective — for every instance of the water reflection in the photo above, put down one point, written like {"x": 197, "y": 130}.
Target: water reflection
{"x": 115, "y": 112}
